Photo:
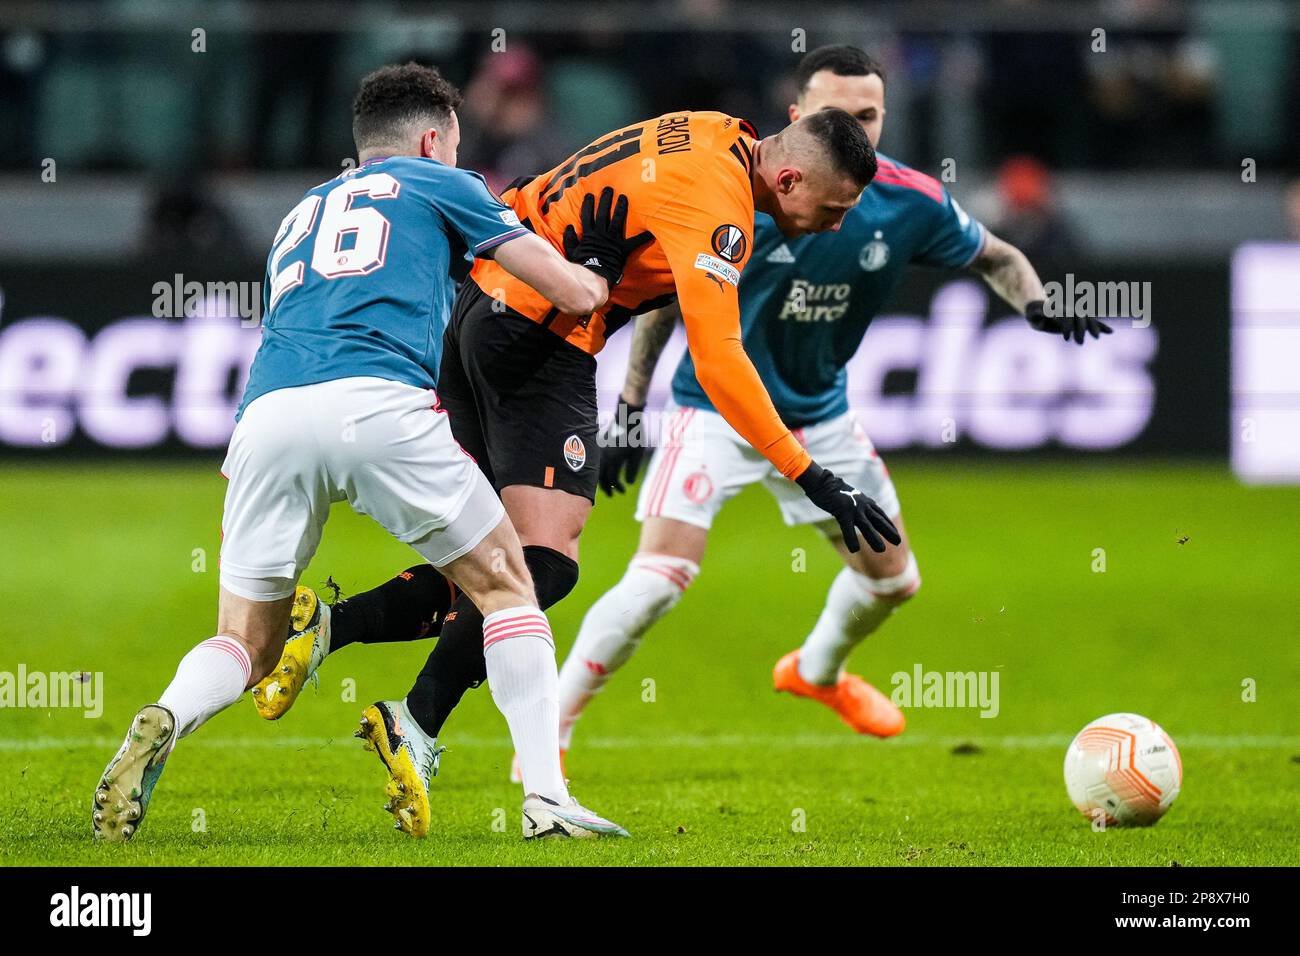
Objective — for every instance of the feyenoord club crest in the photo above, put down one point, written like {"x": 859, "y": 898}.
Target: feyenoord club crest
{"x": 697, "y": 487}
{"x": 874, "y": 254}
{"x": 575, "y": 453}
{"x": 730, "y": 243}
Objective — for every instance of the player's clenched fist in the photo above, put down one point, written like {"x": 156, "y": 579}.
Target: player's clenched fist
{"x": 855, "y": 512}
{"x": 604, "y": 246}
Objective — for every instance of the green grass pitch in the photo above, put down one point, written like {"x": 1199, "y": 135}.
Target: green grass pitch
{"x": 688, "y": 746}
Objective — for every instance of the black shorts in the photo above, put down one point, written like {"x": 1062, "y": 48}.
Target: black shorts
{"x": 522, "y": 400}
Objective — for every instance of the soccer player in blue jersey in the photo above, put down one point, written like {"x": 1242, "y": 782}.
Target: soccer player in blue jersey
{"x": 340, "y": 405}
{"x": 805, "y": 306}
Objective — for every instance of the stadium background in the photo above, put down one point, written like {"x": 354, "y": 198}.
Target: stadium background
{"x": 145, "y": 145}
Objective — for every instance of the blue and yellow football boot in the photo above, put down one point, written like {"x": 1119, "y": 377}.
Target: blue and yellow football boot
{"x": 122, "y": 797}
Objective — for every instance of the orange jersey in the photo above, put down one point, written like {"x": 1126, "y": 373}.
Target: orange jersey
{"x": 686, "y": 177}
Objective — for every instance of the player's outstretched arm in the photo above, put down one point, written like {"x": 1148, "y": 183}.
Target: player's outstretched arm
{"x": 733, "y": 385}
{"x": 569, "y": 287}
{"x": 707, "y": 285}
{"x": 624, "y": 440}
{"x": 1010, "y": 274}
{"x": 852, "y": 510}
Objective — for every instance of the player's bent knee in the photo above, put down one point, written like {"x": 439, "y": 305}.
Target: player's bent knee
{"x": 554, "y": 574}
{"x": 493, "y": 574}
{"x": 497, "y": 590}
{"x": 899, "y": 587}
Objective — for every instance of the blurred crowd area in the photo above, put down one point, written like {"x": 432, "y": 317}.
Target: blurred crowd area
{"x": 1181, "y": 84}
{"x": 1022, "y": 93}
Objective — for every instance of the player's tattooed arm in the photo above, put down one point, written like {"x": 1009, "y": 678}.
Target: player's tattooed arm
{"x": 649, "y": 338}
{"x": 1008, "y": 272}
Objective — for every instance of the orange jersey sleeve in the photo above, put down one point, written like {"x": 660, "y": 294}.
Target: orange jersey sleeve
{"x": 706, "y": 234}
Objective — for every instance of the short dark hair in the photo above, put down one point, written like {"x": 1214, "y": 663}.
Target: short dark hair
{"x": 845, "y": 142}
{"x": 840, "y": 60}
{"x": 395, "y": 97}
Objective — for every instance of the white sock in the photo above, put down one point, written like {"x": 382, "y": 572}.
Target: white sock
{"x": 855, "y": 606}
{"x": 613, "y": 627}
{"x": 208, "y": 679}
{"x": 520, "y": 657}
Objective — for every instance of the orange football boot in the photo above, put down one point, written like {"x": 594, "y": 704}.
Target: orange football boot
{"x": 859, "y": 705}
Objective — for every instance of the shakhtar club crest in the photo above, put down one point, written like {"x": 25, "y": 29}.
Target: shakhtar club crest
{"x": 575, "y": 453}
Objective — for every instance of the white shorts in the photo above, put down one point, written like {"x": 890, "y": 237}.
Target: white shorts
{"x": 702, "y": 462}
{"x": 382, "y": 446}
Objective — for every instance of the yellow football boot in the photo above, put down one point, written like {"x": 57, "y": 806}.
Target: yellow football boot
{"x": 307, "y": 646}
{"x": 409, "y": 757}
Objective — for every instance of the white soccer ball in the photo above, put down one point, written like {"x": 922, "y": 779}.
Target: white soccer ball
{"x": 1124, "y": 769}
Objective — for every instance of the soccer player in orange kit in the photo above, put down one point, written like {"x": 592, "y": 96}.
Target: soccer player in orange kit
{"x": 518, "y": 375}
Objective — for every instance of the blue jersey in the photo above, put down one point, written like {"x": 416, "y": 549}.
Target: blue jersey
{"x": 805, "y": 303}
{"x": 359, "y": 279}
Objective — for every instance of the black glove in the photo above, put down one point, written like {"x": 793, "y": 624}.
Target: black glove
{"x": 854, "y": 511}
{"x": 1065, "y": 325}
{"x": 603, "y": 248}
{"x": 622, "y": 448}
